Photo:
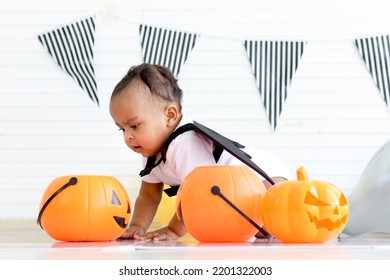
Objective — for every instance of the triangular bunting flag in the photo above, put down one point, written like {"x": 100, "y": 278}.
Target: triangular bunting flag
{"x": 273, "y": 64}
{"x": 71, "y": 47}
{"x": 166, "y": 47}
{"x": 375, "y": 52}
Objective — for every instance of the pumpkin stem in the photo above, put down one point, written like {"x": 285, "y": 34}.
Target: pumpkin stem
{"x": 301, "y": 174}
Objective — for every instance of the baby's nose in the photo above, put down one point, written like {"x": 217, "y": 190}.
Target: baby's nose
{"x": 128, "y": 135}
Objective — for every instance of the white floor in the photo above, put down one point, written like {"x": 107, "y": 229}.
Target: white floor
{"x": 27, "y": 252}
{"x": 24, "y": 240}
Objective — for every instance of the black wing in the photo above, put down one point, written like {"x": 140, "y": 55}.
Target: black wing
{"x": 232, "y": 147}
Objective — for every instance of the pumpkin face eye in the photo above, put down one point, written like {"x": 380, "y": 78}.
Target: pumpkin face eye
{"x": 121, "y": 221}
{"x": 115, "y": 199}
{"x": 310, "y": 199}
{"x": 343, "y": 200}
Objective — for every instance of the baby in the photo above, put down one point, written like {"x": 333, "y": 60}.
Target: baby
{"x": 146, "y": 106}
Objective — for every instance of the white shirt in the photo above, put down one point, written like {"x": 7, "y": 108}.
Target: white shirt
{"x": 192, "y": 149}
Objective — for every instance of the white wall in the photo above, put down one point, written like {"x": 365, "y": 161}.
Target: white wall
{"x": 333, "y": 120}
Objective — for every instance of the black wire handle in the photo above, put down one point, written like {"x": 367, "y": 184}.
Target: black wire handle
{"x": 217, "y": 191}
{"x": 72, "y": 181}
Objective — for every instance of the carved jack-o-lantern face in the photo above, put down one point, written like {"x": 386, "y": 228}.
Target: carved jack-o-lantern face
{"x": 85, "y": 208}
{"x": 304, "y": 211}
{"x": 329, "y": 212}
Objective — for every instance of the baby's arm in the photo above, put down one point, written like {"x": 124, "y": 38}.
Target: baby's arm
{"x": 174, "y": 230}
{"x": 145, "y": 208}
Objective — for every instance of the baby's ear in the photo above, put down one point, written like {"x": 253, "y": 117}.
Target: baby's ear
{"x": 172, "y": 115}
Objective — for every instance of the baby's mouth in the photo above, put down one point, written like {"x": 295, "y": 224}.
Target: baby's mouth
{"x": 137, "y": 148}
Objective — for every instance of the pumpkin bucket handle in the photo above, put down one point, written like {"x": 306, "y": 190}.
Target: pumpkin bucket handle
{"x": 72, "y": 181}
{"x": 215, "y": 190}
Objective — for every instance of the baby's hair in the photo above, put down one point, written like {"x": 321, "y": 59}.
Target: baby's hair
{"x": 159, "y": 79}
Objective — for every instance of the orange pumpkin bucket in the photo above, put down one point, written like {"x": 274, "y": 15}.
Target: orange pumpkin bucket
{"x": 304, "y": 211}
{"x": 205, "y": 198}
{"x": 84, "y": 208}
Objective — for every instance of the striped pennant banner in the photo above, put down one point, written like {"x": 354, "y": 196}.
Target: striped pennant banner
{"x": 273, "y": 65}
{"x": 166, "y": 47}
{"x": 375, "y": 52}
{"x": 71, "y": 47}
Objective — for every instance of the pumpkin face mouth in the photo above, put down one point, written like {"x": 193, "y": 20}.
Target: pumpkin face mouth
{"x": 335, "y": 215}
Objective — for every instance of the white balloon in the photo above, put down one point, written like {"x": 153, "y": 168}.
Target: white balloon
{"x": 369, "y": 202}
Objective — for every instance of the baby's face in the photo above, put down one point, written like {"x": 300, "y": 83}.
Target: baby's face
{"x": 143, "y": 123}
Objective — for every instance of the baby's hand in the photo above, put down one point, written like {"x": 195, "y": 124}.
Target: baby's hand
{"x": 164, "y": 233}
{"x": 133, "y": 232}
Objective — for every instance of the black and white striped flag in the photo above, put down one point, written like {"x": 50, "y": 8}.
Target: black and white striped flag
{"x": 375, "y": 52}
{"x": 273, "y": 64}
{"x": 166, "y": 47}
{"x": 71, "y": 47}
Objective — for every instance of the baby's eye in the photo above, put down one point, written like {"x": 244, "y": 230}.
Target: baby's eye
{"x": 121, "y": 129}
{"x": 134, "y": 126}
